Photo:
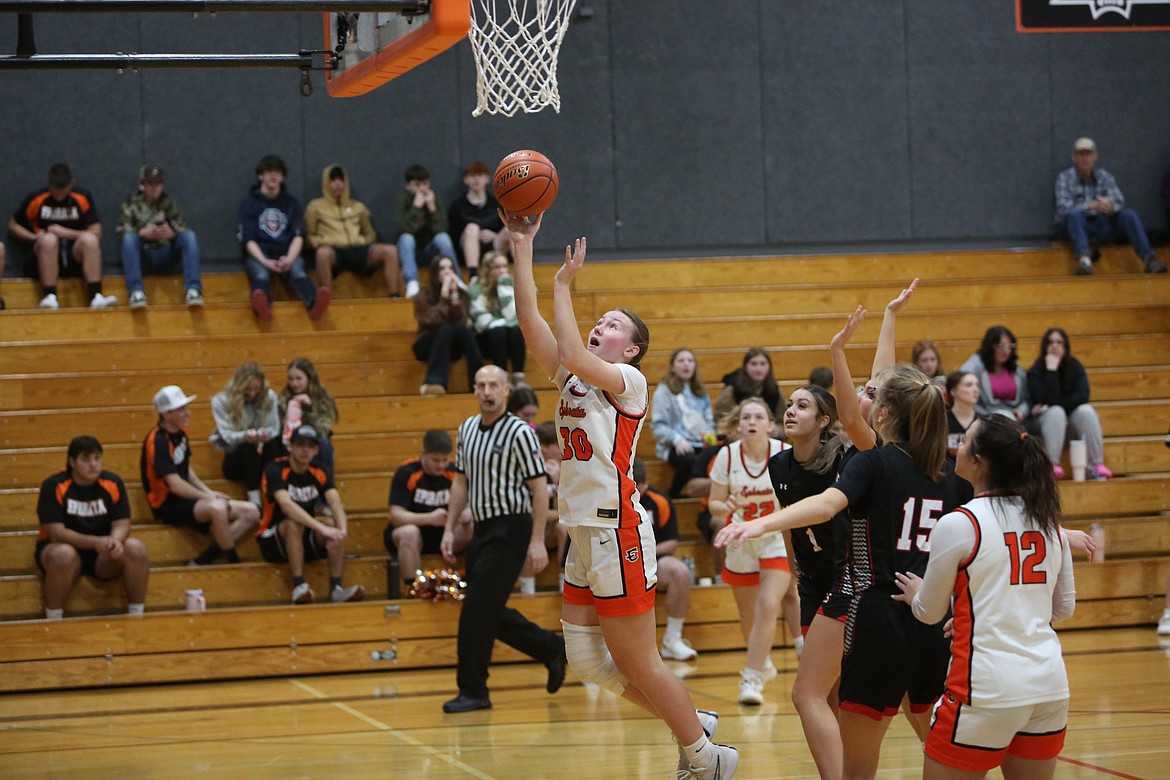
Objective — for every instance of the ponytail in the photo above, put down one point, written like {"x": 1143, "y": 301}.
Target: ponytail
{"x": 915, "y": 415}
{"x": 1017, "y": 464}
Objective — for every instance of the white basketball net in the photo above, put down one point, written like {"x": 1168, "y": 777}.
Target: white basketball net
{"x": 516, "y": 43}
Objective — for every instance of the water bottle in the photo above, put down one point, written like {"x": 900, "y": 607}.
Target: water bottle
{"x": 393, "y": 579}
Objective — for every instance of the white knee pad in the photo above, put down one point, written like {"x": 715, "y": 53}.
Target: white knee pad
{"x": 589, "y": 658}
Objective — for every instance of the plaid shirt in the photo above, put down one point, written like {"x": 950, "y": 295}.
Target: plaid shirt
{"x": 1073, "y": 193}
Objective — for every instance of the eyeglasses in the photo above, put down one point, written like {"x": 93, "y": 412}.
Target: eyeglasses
{"x": 1055, "y": 341}
{"x": 1005, "y": 346}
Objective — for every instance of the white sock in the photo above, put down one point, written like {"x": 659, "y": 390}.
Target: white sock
{"x": 700, "y": 754}
{"x": 135, "y": 609}
{"x": 54, "y": 614}
{"x": 674, "y": 627}
{"x": 528, "y": 584}
{"x": 1166, "y": 614}
{"x": 798, "y": 645}
{"x": 254, "y": 497}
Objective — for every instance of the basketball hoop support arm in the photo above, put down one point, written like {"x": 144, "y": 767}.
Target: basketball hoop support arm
{"x": 404, "y": 7}
{"x": 26, "y": 57}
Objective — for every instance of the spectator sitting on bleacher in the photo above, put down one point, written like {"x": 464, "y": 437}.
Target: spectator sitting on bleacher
{"x": 444, "y": 331}
{"x": 419, "y": 493}
{"x": 524, "y": 404}
{"x": 674, "y": 578}
{"x": 1090, "y": 207}
{"x": 61, "y": 225}
{"x": 1059, "y": 390}
{"x": 304, "y": 401}
{"x": 475, "y": 221}
{"x": 753, "y": 379}
{"x": 821, "y": 376}
{"x": 556, "y": 536}
{"x": 1003, "y": 385}
{"x": 177, "y": 495}
{"x": 289, "y": 531}
{"x": 924, "y": 356}
{"x": 422, "y": 222}
{"x": 272, "y": 231}
{"x": 153, "y": 230}
{"x": 342, "y": 236}
{"x": 85, "y": 529}
{"x": 680, "y": 416}
{"x": 246, "y": 418}
{"x": 493, "y": 313}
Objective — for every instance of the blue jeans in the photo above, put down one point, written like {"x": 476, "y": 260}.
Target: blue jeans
{"x": 159, "y": 258}
{"x": 1080, "y": 227}
{"x": 439, "y": 245}
{"x": 260, "y": 278}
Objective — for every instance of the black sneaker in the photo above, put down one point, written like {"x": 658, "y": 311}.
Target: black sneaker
{"x": 556, "y": 671}
{"x": 463, "y": 703}
{"x": 1152, "y": 265}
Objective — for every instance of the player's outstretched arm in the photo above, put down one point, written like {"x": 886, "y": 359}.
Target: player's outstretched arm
{"x": 848, "y": 406}
{"x": 886, "y": 354}
{"x": 571, "y": 351}
{"x": 537, "y": 334}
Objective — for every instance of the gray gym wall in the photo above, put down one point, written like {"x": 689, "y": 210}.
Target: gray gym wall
{"x": 686, "y": 126}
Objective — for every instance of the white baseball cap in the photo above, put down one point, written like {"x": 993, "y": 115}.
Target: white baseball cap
{"x": 170, "y": 398}
{"x": 1084, "y": 144}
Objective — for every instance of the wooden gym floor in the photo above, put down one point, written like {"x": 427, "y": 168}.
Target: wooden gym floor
{"x": 390, "y": 725}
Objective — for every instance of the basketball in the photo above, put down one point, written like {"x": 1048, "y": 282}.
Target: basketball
{"x": 526, "y": 183}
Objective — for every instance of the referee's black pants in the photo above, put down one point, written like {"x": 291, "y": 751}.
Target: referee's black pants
{"x": 494, "y": 559}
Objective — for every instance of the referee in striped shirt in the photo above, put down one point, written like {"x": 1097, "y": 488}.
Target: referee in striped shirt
{"x": 499, "y": 472}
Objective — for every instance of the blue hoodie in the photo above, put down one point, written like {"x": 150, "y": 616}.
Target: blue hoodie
{"x": 271, "y": 222}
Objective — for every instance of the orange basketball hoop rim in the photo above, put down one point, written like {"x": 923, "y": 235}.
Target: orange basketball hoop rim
{"x": 448, "y": 24}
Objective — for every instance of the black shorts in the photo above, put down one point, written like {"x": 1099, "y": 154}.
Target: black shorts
{"x": 703, "y": 520}
{"x": 88, "y": 558}
{"x": 835, "y": 605}
{"x": 811, "y": 598}
{"x": 181, "y": 512}
{"x": 890, "y": 654}
{"x": 272, "y": 544}
{"x": 353, "y": 258}
{"x": 432, "y": 535}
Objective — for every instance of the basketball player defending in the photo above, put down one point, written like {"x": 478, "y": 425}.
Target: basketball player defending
{"x": 608, "y": 611}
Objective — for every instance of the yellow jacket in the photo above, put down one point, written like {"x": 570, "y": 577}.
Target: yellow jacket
{"x": 338, "y": 222}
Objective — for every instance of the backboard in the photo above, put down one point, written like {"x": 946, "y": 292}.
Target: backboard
{"x": 378, "y": 47}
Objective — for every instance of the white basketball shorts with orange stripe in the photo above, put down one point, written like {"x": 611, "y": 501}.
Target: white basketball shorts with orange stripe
{"x": 612, "y": 569}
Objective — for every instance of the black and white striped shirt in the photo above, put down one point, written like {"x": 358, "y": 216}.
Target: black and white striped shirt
{"x": 498, "y": 460}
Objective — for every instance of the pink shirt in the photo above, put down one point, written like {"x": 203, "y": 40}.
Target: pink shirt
{"x": 1003, "y": 386}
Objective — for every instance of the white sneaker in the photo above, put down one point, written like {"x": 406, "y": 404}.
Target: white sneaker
{"x": 722, "y": 768}
{"x": 104, "y": 301}
{"x": 49, "y": 302}
{"x": 302, "y": 594}
{"x": 709, "y": 720}
{"x": 352, "y": 593}
{"x": 751, "y": 687}
{"x": 798, "y": 646}
{"x": 194, "y": 297}
{"x": 675, "y": 648}
{"x": 770, "y": 669}
{"x": 1164, "y": 625}
{"x": 412, "y": 288}
{"x": 138, "y": 300}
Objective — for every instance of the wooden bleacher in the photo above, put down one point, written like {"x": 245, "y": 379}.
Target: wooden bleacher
{"x": 75, "y": 371}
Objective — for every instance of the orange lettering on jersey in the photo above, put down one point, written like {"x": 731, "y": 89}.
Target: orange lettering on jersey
{"x": 571, "y": 411}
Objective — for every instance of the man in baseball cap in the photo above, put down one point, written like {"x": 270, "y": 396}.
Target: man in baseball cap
{"x": 290, "y": 531}
{"x": 1090, "y": 209}
{"x": 154, "y": 236}
{"x": 176, "y": 494}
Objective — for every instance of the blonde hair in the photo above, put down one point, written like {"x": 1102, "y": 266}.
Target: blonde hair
{"x": 915, "y": 416}
{"x": 245, "y": 372}
{"x": 490, "y": 281}
{"x": 728, "y": 423}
